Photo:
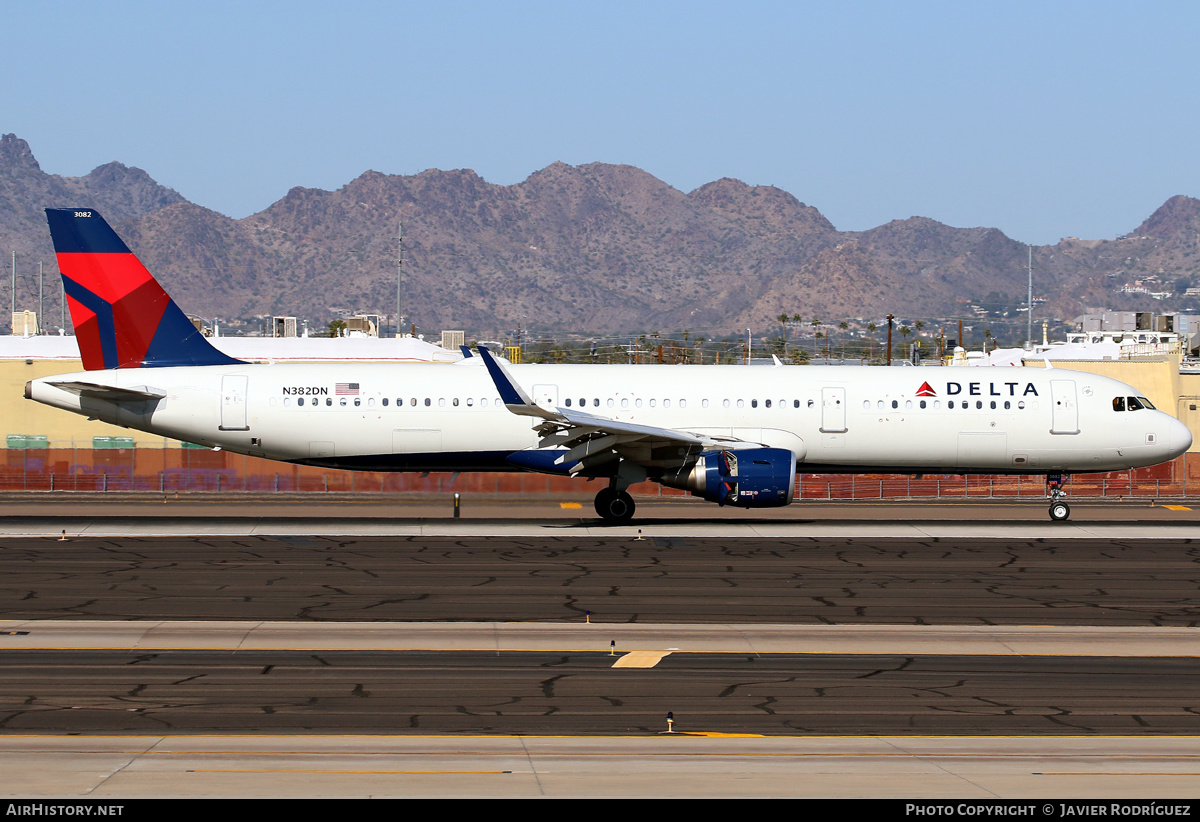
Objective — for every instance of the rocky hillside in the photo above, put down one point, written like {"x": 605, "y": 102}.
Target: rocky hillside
{"x": 595, "y": 248}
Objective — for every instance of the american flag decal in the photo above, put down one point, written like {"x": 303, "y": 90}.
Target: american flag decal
{"x": 346, "y": 388}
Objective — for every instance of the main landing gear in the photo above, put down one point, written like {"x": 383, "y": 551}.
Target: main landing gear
{"x": 614, "y": 506}
{"x": 1059, "y": 510}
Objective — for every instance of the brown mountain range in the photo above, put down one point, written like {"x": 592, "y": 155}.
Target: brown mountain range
{"x": 595, "y": 248}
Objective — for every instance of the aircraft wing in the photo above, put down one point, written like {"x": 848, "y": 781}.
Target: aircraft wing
{"x": 141, "y": 393}
{"x": 591, "y": 440}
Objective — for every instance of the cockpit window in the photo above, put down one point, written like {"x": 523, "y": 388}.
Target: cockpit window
{"x": 1134, "y": 404}
{"x": 1145, "y": 402}
{"x": 1118, "y": 403}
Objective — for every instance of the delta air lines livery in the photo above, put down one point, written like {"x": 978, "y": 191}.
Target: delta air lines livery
{"x": 731, "y": 435}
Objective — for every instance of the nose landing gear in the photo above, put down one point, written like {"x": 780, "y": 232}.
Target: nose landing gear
{"x": 1059, "y": 510}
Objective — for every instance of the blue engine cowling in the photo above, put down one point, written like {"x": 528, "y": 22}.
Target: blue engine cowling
{"x": 747, "y": 478}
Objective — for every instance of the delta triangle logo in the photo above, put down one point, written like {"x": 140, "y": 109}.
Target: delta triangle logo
{"x": 926, "y": 391}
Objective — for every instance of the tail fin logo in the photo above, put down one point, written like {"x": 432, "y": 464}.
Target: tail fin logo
{"x": 123, "y": 318}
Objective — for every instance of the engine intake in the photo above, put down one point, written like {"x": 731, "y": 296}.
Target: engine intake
{"x": 747, "y": 478}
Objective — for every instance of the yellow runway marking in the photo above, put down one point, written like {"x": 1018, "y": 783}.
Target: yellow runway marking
{"x": 282, "y": 770}
{"x": 640, "y": 659}
{"x": 569, "y": 505}
{"x": 1177, "y": 507}
{"x": 720, "y": 735}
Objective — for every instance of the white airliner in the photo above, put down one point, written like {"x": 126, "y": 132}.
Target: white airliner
{"x": 731, "y": 435}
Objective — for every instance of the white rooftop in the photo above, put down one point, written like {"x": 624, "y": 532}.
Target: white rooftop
{"x": 263, "y": 349}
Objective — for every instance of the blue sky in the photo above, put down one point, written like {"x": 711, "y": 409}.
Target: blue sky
{"x": 1045, "y": 119}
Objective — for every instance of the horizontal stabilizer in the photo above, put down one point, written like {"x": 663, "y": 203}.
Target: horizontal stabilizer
{"x": 111, "y": 393}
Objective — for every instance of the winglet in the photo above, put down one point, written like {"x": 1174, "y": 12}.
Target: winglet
{"x": 515, "y": 400}
{"x": 466, "y": 351}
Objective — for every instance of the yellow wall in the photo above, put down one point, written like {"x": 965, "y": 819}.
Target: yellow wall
{"x": 1157, "y": 380}
{"x": 21, "y": 416}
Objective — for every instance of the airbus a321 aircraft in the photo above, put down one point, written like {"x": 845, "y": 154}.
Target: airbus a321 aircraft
{"x": 731, "y": 435}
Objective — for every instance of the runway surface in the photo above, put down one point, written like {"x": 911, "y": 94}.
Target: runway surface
{"x": 577, "y": 693}
{"x": 655, "y": 766}
{"x": 959, "y": 580}
{"x": 988, "y": 639}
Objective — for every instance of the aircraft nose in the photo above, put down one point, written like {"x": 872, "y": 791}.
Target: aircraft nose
{"x": 1180, "y": 437}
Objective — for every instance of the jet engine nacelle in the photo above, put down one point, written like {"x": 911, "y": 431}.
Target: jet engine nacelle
{"x": 747, "y": 478}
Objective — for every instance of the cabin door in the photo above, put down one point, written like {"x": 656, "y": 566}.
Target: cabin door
{"x": 833, "y": 410}
{"x": 1065, "y": 419}
{"x": 233, "y": 402}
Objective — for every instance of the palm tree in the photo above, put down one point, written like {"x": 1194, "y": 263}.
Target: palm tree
{"x": 843, "y": 325}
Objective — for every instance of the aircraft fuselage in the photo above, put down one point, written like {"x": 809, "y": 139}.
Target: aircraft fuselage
{"x": 413, "y": 417}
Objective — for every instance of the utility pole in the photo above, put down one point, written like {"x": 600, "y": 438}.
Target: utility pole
{"x": 890, "y": 317}
{"x": 399, "y": 271}
{"x": 41, "y": 310}
{"x": 1029, "y": 304}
